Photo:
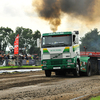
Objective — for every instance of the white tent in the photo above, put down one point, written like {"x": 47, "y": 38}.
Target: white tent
{"x": 7, "y": 48}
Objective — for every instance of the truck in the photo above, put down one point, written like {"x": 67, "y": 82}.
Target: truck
{"x": 60, "y": 53}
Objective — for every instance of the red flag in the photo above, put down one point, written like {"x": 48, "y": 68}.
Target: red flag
{"x": 16, "y": 45}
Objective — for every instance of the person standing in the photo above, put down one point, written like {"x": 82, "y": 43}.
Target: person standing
{"x": 13, "y": 60}
{"x": 6, "y": 59}
{"x": 20, "y": 60}
{"x": 0, "y": 59}
{"x": 8, "y": 55}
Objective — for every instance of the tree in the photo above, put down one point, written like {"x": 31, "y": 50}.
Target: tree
{"x": 4, "y": 37}
{"x": 12, "y": 38}
{"x": 37, "y": 34}
{"x": 28, "y": 40}
{"x": 91, "y": 41}
{"x": 34, "y": 49}
{"x": 25, "y": 37}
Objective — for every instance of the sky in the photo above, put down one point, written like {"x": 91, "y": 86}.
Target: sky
{"x": 21, "y": 13}
{"x": 17, "y": 13}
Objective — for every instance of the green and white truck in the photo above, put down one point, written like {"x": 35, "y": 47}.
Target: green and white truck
{"x": 60, "y": 53}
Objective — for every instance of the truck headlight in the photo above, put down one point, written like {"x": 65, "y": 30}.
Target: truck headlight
{"x": 44, "y": 63}
{"x": 69, "y": 60}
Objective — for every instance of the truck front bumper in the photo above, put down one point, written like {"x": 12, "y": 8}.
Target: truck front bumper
{"x": 61, "y": 66}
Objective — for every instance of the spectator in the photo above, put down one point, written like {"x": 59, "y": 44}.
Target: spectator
{"x": 16, "y": 60}
{"x": 20, "y": 60}
{"x": 13, "y": 60}
{"x": 22, "y": 57}
{"x": 6, "y": 59}
{"x": 0, "y": 59}
{"x": 3, "y": 58}
{"x": 26, "y": 57}
{"x": 8, "y": 55}
{"x": 13, "y": 57}
{"x": 30, "y": 57}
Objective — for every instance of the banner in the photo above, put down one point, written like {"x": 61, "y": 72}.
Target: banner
{"x": 16, "y": 45}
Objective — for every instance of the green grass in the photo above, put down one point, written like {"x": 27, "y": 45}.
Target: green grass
{"x": 95, "y": 98}
{"x": 16, "y": 67}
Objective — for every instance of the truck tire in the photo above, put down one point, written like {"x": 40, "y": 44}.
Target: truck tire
{"x": 47, "y": 73}
{"x": 76, "y": 71}
{"x": 88, "y": 72}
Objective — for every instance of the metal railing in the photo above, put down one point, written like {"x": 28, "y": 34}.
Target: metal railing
{"x": 14, "y": 62}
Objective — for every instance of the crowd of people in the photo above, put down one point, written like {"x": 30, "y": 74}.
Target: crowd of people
{"x": 7, "y": 56}
{"x": 3, "y": 57}
{"x": 16, "y": 58}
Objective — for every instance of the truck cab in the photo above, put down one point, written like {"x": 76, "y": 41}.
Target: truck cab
{"x": 60, "y": 53}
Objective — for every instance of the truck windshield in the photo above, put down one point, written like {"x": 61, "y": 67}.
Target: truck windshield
{"x": 57, "y": 41}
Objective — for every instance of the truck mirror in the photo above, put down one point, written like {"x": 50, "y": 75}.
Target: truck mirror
{"x": 76, "y": 32}
{"x": 38, "y": 42}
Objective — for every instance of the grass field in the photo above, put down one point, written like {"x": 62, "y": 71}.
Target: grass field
{"x": 95, "y": 98}
{"x": 18, "y": 67}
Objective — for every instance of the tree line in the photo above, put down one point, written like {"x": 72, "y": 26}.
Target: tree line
{"x": 91, "y": 41}
{"x": 27, "y": 39}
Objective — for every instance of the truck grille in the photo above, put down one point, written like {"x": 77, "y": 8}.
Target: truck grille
{"x": 56, "y": 62}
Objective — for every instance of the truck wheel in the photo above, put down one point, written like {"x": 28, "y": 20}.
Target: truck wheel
{"x": 47, "y": 73}
{"x": 76, "y": 72}
{"x": 88, "y": 72}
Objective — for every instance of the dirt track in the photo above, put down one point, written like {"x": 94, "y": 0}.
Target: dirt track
{"x": 35, "y": 86}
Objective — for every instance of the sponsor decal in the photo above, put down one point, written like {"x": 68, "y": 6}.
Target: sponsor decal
{"x": 66, "y": 49}
{"x": 55, "y": 50}
{"x": 75, "y": 47}
{"x": 45, "y": 50}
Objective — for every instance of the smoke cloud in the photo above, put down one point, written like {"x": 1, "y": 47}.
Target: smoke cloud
{"x": 53, "y": 10}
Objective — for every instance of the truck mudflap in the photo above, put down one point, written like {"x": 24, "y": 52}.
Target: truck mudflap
{"x": 86, "y": 69}
{"x": 83, "y": 63}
